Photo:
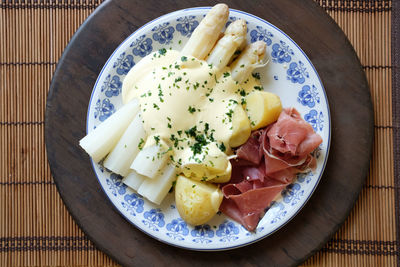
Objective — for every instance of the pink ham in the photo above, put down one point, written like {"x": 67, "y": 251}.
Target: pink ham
{"x": 292, "y": 135}
{"x": 250, "y": 151}
{"x": 250, "y": 205}
{"x": 266, "y": 164}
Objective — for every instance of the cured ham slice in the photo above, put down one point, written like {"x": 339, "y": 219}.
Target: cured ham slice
{"x": 266, "y": 164}
{"x": 250, "y": 152}
{"x": 291, "y": 135}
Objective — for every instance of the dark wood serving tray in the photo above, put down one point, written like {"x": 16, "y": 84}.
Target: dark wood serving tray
{"x": 352, "y": 134}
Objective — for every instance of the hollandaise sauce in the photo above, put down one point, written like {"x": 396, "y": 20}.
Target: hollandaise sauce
{"x": 193, "y": 108}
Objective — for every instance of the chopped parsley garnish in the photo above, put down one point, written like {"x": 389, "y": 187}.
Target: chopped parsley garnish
{"x": 191, "y": 132}
{"x": 222, "y": 147}
{"x": 197, "y": 147}
{"x": 193, "y": 186}
{"x": 259, "y": 88}
{"x": 140, "y": 145}
{"x": 183, "y": 58}
{"x": 229, "y": 114}
{"x": 178, "y": 79}
{"x": 256, "y": 75}
{"x": 242, "y": 92}
{"x": 191, "y": 109}
{"x": 162, "y": 51}
{"x": 157, "y": 139}
{"x": 156, "y": 106}
{"x": 226, "y": 74}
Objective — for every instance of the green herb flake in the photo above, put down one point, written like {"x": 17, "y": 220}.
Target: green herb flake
{"x": 191, "y": 109}
{"x": 157, "y": 139}
{"x": 140, "y": 145}
{"x": 162, "y": 51}
{"x": 222, "y": 147}
{"x": 256, "y": 75}
{"x": 183, "y": 58}
{"x": 226, "y": 74}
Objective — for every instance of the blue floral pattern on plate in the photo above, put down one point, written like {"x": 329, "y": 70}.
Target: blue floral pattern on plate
{"x": 116, "y": 185}
{"x": 154, "y": 219}
{"x": 163, "y": 33}
{"x": 177, "y": 229}
{"x": 112, "y": 86}
{"x": 142, "y": 46}
{"x": 292, "y": 194}
{"x": 261, "y": 34}
{"x": 124, "y": 63}
{"x": 202, "y": 234}
{"x": 279, "y": 212}
{"x": 298, "y": 85}
{"x": 186, "y": 25}
{"x": 228, "y": 231}
{"x": 315, "y": 119}
{"x": 133, "y": 203}
{"x": 308, "y": 96}
{"x": 281, "y": 53}
{"x": 103, "y": 109}
{"x": 297, "y": 73}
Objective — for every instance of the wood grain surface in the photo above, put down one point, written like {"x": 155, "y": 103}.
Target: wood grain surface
{"x": 352, "y": 133}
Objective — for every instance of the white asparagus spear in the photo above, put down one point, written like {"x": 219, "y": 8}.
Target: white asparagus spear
{"x": 121, "y": 157}
{"x": 134, "y": 180}
{"x": 156, "y": 189}
{"x": 207, "y": 32}
{"x": 151, "y": 159}
{"x": 250, "y": 59}
{"x": 233, "y": 37}
{"x": 100, "y": 141}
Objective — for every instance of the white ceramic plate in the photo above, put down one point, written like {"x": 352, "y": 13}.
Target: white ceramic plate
{"x": 290, "y": 74}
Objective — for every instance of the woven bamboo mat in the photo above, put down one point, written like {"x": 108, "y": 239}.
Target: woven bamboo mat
{"x": 35, "y": 227}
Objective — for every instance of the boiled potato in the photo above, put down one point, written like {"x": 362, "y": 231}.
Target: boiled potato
{"x": 209, "y": 168}
{"x": 263, "y": 108}
{"x": 241, "y": 129}
{"x": 197, "y": 202}
{"x": 225, "y": 177}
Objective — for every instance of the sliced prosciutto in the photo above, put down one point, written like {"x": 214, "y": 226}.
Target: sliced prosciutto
{"x": 266, "y": 164}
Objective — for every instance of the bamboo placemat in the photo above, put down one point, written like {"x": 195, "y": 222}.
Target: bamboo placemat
{"x": 37, "y": 230}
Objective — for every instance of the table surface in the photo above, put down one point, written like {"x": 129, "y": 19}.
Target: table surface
{"x": 30, "y": 49}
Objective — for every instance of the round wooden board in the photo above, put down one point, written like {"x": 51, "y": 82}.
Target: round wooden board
{"x": 352, "y": 134}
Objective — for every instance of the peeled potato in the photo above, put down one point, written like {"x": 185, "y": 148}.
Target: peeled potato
{"x": 263, "y": 108}
{"x": 225, "y": 177}
{"x": 197, "y": 202}
{"x": 241, "y": 129}
{"x": 210, "y": 167}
